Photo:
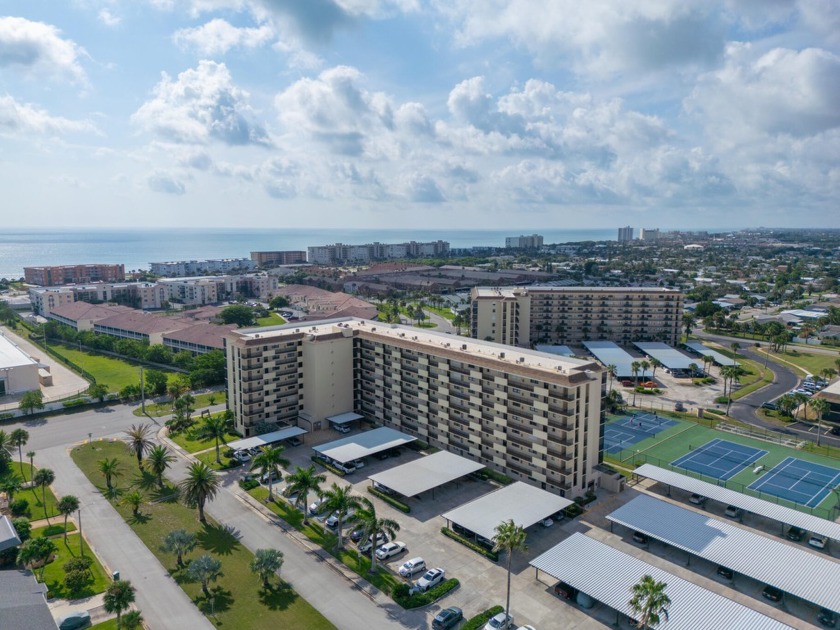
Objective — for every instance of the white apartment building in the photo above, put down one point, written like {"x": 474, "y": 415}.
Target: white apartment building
{"x": 340, "y": 252}
{"x": 203, "y": 290}
{"x": 649, "y": 234}
{"x": 534, "y": 241}
{"x": 143, "y": 295}
{"x": 178, "y": 268}
{"x": 533, "y": 416}
{"x": 18, "y": 371}
{"x": 562, "y": 315}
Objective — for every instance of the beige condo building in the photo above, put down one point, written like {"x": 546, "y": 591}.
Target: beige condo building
{"x": 525, "y": 316}
{"x": 533, "y": 416}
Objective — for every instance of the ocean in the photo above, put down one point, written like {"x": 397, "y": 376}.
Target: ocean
{"x": 136, "y": 248}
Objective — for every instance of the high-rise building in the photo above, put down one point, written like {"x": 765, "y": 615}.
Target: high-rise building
{"x": 649, "y": 234}
{"x": 181, "y": 268}
{"x": 534, "y": 241}
{"x": 625, "y": 234}
{"x": 533, "y": 416}
{"x": 270, "y": 259}
{"x": 342, "y": 253}
{"x": 73, "y": 274}
{"x": 522, "y": 316}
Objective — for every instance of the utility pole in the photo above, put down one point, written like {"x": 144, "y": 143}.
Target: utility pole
{"x": 142, "y": 391}
{"x": 81, "y": 543}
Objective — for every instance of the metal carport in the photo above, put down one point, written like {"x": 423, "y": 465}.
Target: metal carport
{"x": 426, "y": 473}
{"x": 267, "y": 438}
{"x": 364, "y": 444}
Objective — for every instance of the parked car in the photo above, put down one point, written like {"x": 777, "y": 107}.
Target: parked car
{"x": 382, "y": 455}
{"x": 818, "y": 541}
{"x": 725, "y": 572}
{"x": 359, "y": 463}
{"x": 356, "y": 535}
{"x": 566, "y": 591}
{"x": 547, "y": 522}
{"x": 79, "y": 619}
{"x": 769, "y": 405}
{"x": 294, "y": 441}
{"x": 733, "y": 512}
{"x": 366, "y": 546}
{"x": 316, "y": 506}
{"x": 430, "y": 579}
{"x": 389, "y": 550}
{"x": 772, "y": 593}
{"x": 412, "y": 567}
{"x": 502, "y": 621}
{"x": 641, "y": 538}
{"x": 826, "y": 618}
{"x": 332, "y": 521}
{"x": 342, "y": 428}
{"x": 347, "y": 469}
{"x": 697, "y": 499}
{"x": 256, "y": 450}
{"x": 447, "y": 618}
{"x": 242, "y": 456}
{"x": 274, "y": 475}
{"x": 383, "y": 489}
{"x": 795, "y": 534}
{"x": 678, "y": 406}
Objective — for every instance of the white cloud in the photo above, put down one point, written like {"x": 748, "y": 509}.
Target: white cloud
{"x": 218, "y": 36}
{"x": 38, "y": 48}
{"x": 201, "y": 105}
{"x": 18, "y": 117}
{"x": 108, "y": 18}
{"x": 164, "y": 182}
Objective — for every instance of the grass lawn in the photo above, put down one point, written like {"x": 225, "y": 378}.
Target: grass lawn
{"x": 192, "y": 442}
{"x": 32, "y": 495}
{"x": 111, "y": 624}
{"x": 157, "y": 410}
{"x": 273, "y": 319}
{"x": 54, "y": 530}
{"x": 209, "y": 458}
{"x": 811, "y": 362}
{"x": 240, "y": 602}
{"x": 109, "y": 371}
{"x": 443, "y": 312}
{"x": 54, "y": 571}
{"x": 426, "y": 325}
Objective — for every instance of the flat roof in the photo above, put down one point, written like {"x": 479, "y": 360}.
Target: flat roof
{"x": 792, "y": 569}
{"x": 267, "y": 438}
{"x": 719, "y": 358}
{"x": 607, "y": 575}
{"x": 563, "y": 351}
{"x": 11, "y": 355}
{"x": 609, "y": 353}
{"x": 770, "y": 510}
{"x": 364, "y": 444}
{"x": 524, "y": 504}
{"x": 345, "y": 418}
{"x": 670, "y": 357}
{"x": 426, "y": 473}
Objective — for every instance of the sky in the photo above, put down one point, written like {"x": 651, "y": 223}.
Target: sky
{"x": 427, "y": 114}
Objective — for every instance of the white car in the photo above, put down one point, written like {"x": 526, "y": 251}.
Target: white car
{"x": 359, "y": 463}
{"x": 316, "y": 505}
{"x": 430, "y": 579}
{"x": 332, "y": 521}
{"x": 389, "y": 550}
{"x": 242, "y": 456}
{"x": 367, "y": 545}
{"x": 547, "y": 522}
{"x": 342, "y": 428}
{"x": 499, "y": 622}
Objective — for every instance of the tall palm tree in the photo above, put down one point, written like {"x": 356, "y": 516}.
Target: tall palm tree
{"x": 201, "y": 484}
{"x": 139, "y": 442}
{"x": 611, "y": 368}
{"x": 118, "y": 598}
{"x": 644, "y": 366}
{"x": 5, "y": 449}
{"x": 217, "y": 427}
{"x": 509, "y": 537}
{"x": 179, "y": 542}
{"x": 31, "y": 456}
{"x": 66, "y": 506}
{"x": 634, "y": 368}
{"x": 655, "y": 363}
{"x": 18, "y": 438}
{"x": 649, "y": 601}
{"x": 43, "y": 478}
{"x": 735, "y": 347}
{"x": 371, "y": 525}
{"x": 159, "y": 459}
{"x": 820, "y": 406}
{"x": 110, "y": 468}
{"x": 266, "y": 563}
{"x": 302, "y": 482}
{"x": 269, "y": 462}
{"x": 205, "y": 569}
{"x": 340, "y": 501}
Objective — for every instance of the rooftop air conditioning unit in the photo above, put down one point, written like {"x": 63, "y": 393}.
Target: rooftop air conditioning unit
{"x": 501, "y": 355}
{"x": 463, "y": 346}
{"x": 522, "y": 359}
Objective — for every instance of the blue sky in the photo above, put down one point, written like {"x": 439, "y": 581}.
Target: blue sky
{"x": 420, "y": 113}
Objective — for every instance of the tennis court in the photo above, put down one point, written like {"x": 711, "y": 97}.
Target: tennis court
{"x": 799, "y": 481}
{"x": 632, "y": 429}
{"x": 720, "y": 459}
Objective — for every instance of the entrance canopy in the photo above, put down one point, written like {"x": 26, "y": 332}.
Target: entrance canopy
{"x": 426, "y": 473}
{"x": 267, "y": 438}
{"x": 345, "y": 418}
{"x": 524, "y": 504}
{"x": 364, "y": 444}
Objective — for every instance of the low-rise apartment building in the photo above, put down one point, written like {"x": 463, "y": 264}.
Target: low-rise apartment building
{"x": 273, "y": 259}
{"x": 73, "y": 274}
{"x": 562, "y": 315}
{"x": 145, "y": 295}
{"x": 534, "y": 416}
{"x": 213, "y": 289}
{"x": 341, "y": 253}
{"x": 178, "y": 268}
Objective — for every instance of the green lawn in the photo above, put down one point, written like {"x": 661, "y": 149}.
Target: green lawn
{"x": 32, "y": 495}
{"x": 443, "y": 312}
{"x": 240, "y": 602}
{"x": 192, "y": 442}
{"x": 56, "y": 529}
{"x": 111, "y": 624}
{"x": 811, "y": 362}
{"x": 54, "y": 571}
{"x": 272, "y": 320}
{"x": 201, "y": 401}
{"x": 109, "y": 371}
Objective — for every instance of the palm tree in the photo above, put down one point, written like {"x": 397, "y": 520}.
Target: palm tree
{"x": 786, "y": 403}
{"x": 43, "y": 478}
{"x": 205, "y": 569}
{"x": 649, "y": 601}
{"x": 655, "y": 363}
{"x": 18, "y": 438}
{"x": 118, "y": 597}
{"x": 200, "y": 485}
{"x": 820, "y": 406}
{"x": 801, "y": 400}
{"x": 340, "y": 501}
{"x": 266, "y": 563}
{"x": 5, "y": 449}
{"x": 634, "y": 368}
{"x": 139, "y": 442}
{"x": 735, "y": 347}
{"x": 371, "y": 525}
{"x": 645, "y": 366}
{"x": 66, "y": 506}
{"x": 179, "y": 542}
{"x": 269, "y": 462}
{"x": 509, "y": 537}
{"x": 217, "y": 427}
{"x": 302, "y": 482}
{"x": 159, "y": 459}
{"x": 110, "y": 468}
{"x": 11, "y": 484}
{"x": 135, "y": 500}
{"x": 31, "y": 456}
{"x": 688, "y": 321}
{"x": 133, "y": 620}
{"x": 611, "y": 368}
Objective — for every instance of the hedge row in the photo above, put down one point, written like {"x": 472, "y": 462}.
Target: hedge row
{"x": 322, "y": 462}
{"x": 402, "y": 507}
{"x": 74, "y": 403}
{"x": 489, "y": 473}
{"x": 574, "y": 510}
{"x": 478, "y": 622}
{"x": 248, "y": 484}
{"x": 484, "y": 551}
{"x": 403, "y": 598}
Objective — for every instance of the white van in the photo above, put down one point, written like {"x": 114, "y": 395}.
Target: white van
{"x": 412, "y": 567}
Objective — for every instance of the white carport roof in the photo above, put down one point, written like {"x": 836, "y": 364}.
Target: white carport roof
{"x": 267, "y": 438}
{"x": 607, "y": 575}
{"x": 792, "y": 569}
{"x": 364, "y": 444}
{"x": 773, "y": 511}
{"x": 524, "y": 504}
{"x": 426, "y": 473}
{"x": 345, "y": 418}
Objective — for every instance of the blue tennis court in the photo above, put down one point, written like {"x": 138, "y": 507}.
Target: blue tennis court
{"x": 632, "y": 429}
{"x": 799, "y": 481}
{"x": 719, "y": 459}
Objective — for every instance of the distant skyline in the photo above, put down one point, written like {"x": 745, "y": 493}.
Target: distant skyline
{"x": 433, "y": 114}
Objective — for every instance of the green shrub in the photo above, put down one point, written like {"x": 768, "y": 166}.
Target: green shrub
{"x": 76, "y": 581}
{"x": 402, "y": 507}
{"x": 403, "y": 598}
{"x": 484, "y": 551}
{"x": 574, "y": 510}
{"x": 489, "y": 473}
{"x": 322, "y": 462}
{"x": 722, "y": 400}
{"x": 23, "y": 528}
{"x": 419, "y": 445}
{"x": 6, "y": 416}
{"x": 19, "y": 507}
{"x": 479, "y": 621}
{"x": 248, "y": 484}
{"x": 67, "y": 404}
